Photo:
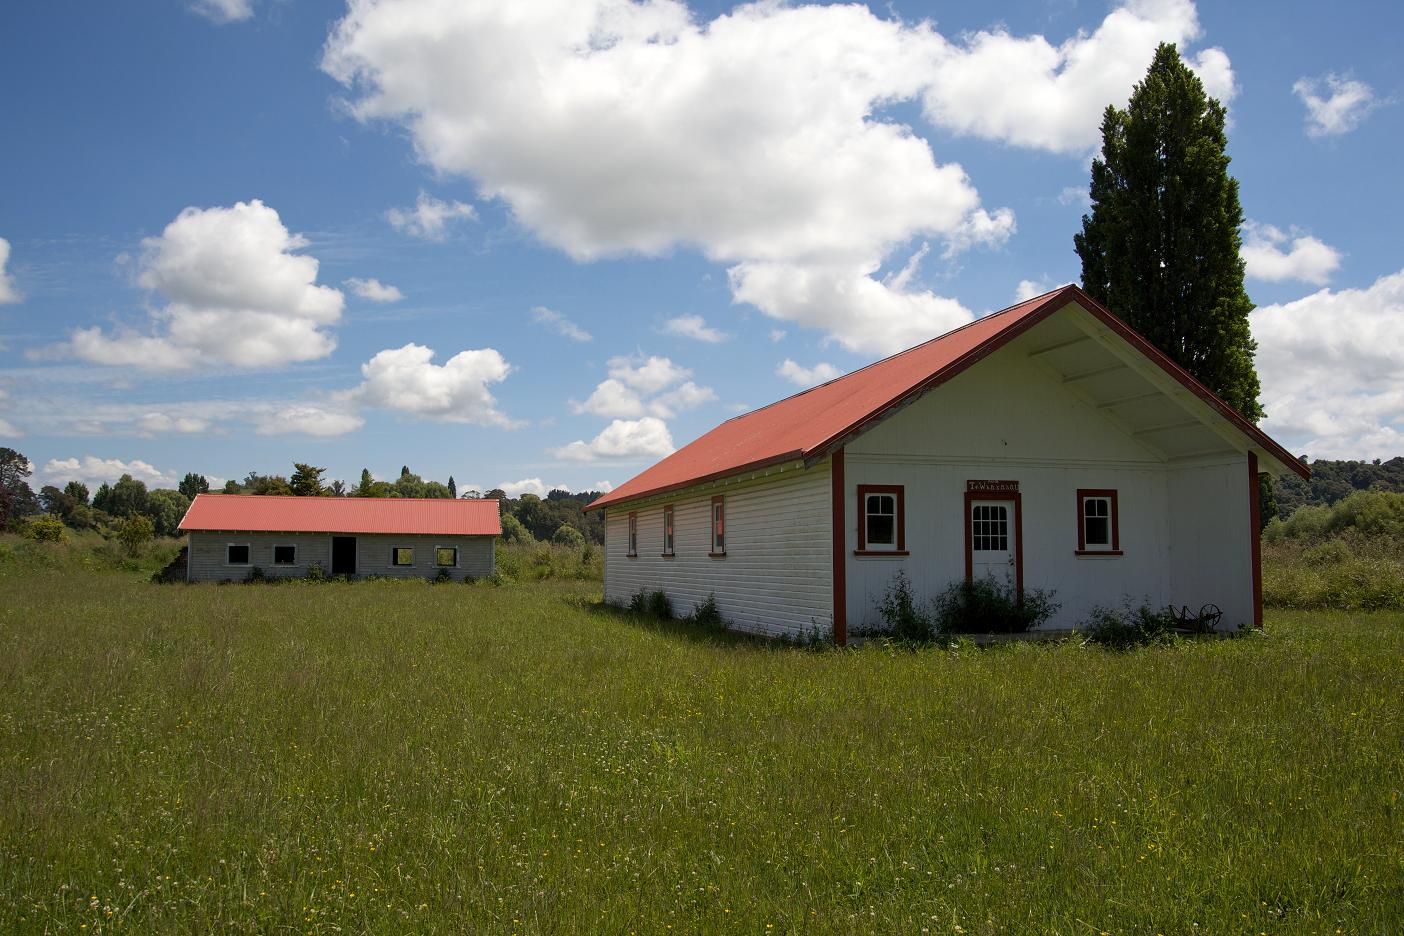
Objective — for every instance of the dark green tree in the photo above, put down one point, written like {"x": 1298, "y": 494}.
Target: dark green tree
{"x": 367, "y": 483}
{"x": 193, "y": 484}
{"x": 1161, "y": 245}
{"x": 123, "y": 499}
{"x": 337, "y": 488}
{"x": 165, "y": 508}
{"x": 306, "y": 480}
{"x": 17, "y": 499}
{"x": 453, "y": 488}
{"x": 78, "y": 491}
{"x": 232, "y": 487}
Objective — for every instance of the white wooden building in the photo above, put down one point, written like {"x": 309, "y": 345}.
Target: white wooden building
{"x": 230, "y": 535}
{"x": 1047, "y": 445}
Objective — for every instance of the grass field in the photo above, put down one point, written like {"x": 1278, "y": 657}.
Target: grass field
{"x": 389, "y": 757}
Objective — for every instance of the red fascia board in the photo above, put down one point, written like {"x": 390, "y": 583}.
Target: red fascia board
{"x": 597, "y": 504}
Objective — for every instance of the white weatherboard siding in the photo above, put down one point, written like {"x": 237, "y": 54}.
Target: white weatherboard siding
{"x": 208, "y": 552}
{"x": 777, "y": 575}
{"x": 1183, "y": 530}
{"x": 1211, "y": 531}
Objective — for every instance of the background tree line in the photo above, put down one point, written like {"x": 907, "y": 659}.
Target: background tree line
{"x": 560, "y": 517}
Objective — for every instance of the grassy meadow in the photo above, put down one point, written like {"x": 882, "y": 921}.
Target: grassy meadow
{"x": 406, "y": 757}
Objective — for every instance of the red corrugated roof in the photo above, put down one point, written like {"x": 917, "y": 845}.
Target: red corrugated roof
{"x": 807, "y": 425}
{"x": 273, "y": 514}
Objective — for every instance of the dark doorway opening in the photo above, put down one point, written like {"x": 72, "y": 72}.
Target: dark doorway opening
{"x": 343, "y": 555}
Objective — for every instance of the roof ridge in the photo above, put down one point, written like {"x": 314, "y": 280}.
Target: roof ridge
{"x": 896, "y": 354}
{"x": 353, "y": 497}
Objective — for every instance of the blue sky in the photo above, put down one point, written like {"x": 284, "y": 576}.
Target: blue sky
{"x": 542, "y": 244}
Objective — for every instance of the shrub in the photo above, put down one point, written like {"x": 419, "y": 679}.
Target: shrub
{"x": 315, "y": 572}
{"x": 901, "y": 617}
{"x": 659, "y": 606}
{"x": 134, "y": 532}
{"x": 1127, "y": 627}
{"x": 650, "y": 604}
{"x": 513, "y": 531}
{"x": 707, "y": 614}
{"x": 985, "y": 606}
{"x": 567, "y": 535}
{"x": 442, "y": 576}
{"x": 44, "y": 529}
{"x": 256, "y": 574}
{"x": 1364, "y": 513}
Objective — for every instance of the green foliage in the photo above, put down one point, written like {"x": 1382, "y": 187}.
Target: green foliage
{"x": 1161, "y": 245}
{"x": 532, "y": 561}
{"x": 567, "y": 535}
{"x": 78, "y": 491}
{"x": 647, "y": 603}
{"x": 442, "y": 576}
{"x": 126, "y": 498}
{"x": 232, "y": 487}
{"x": 166, "y": 508}
{"x": 1126, "y": 627}
{"x": 452, "y": 488}
{"x": 708, "y": 614}
{"x": 985, "y": 606}
{"x": 1332, "y": 481}
{"x": 513, "y": 531}
{"x": 315, "y": 572}
{"x": 17, "y": 499}
{"x": 193, "y": 484}
{"x": 902, "y": 616}
{"x": 306, "y": 480}
{"x": 256, "y": 575}
{"x": 134, "y": 532}
{"x": 1361, "y": 514}
{"x": 543, "y": 517}
{"x": 1350, "y": 573}
{"x": 44, "y": 529}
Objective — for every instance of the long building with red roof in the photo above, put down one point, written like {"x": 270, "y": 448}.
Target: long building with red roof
{"x": 1047, "y": 445}
{"x": 232, "y": 535}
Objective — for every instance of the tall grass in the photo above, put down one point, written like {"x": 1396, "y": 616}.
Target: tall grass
{"x": 1347, "y": 574}
{"x": 399, "y": 757}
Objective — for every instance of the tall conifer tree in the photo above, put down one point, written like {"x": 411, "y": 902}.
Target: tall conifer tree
{"x": 1161, "y": 245}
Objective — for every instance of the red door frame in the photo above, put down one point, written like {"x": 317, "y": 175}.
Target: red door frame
{"x": 1017, "y": 499}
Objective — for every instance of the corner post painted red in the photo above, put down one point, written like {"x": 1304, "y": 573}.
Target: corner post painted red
{"x": 1255, "y": 540}
{"x": 840, "y": 530}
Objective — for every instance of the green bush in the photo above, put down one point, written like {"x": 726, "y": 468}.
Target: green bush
{"x": 256, "y": 574}
{"x": 1350, "y": 573}
{"x": 442, "y": 576}
{"x": 44, "y": 529}
{"x": 315, "y": 572}
{"x": 707, "y": 614}
{"x": 1366, "y": 514}
{"x": 985, "y": 606}
{"x": 134, "y": 532}
{"x": 513, "y": 531}
{"x": 567, "y": 535}
{"x": 659, "y": 606}
{"x": 902, "y": 618}
{"x": 1127, "y": 627}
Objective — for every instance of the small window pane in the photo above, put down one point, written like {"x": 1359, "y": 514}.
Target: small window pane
{"x": 239, "y": 555}
{"x": 446, "y": 556}
{"x": 1096, "y": 521}
{"x": 403, "y": 556}
{"x": 284, "y": 555}
{"x": 882, "y": 530}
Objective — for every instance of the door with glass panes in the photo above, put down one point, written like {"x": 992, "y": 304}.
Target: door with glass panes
{"x": 992, "y": 546}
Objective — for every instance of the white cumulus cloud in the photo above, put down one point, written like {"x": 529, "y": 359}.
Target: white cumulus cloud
{"x": 1330, "y": 365}
{"x": 637, "y": 385}
{"x": 562, "y": 325}
{"x": 751, "y": 137}
{"x": 223, "y": 11}
{"x": 236, "y": 294}
{"x": 8, "y": 292}
{"x": 1305, "y": 258}
{"x": 406, "y": 379}
{"x": 1028, "y": 288}
{"x": 1335, "y": 103}
{"x": 92, "y": 471}
{"x": 310, "y": 419}
{"x": 374, "y": 290}
{"x": 622, "y": 439}
{"x": 429, "y": 218}
{"x": 694, "y": 327}
{"x": 526, "y": 486}
{"x": 1028, "y": 92}
{"x": 806, "y": 377}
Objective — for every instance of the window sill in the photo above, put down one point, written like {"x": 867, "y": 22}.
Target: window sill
{"x": 1110, "y": 553}
{"x": 667, "y": 555}
{"x": 720, "y": 555}
{"x": 881, "y": 553}
{"x": 631, "y": 555}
